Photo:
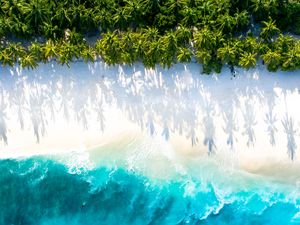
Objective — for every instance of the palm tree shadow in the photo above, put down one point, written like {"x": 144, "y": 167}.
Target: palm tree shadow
{"x": 3, "y": 118}
{"x": 37, "y": 111}
{"x": 250, "y": 122}
{"x": 180, "y": 103}
{"x": 289, "y": 128}
{"x": 18, "y": 100}
{"x": 270, "y": 120}
{"x": 208, "y": 124}
{"x": 230, "y": 128}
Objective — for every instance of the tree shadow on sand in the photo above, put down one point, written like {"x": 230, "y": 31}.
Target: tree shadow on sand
{"x": 161, "y": 101}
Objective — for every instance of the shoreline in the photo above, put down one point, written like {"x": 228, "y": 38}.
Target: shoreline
{"x": 191, "y": 115}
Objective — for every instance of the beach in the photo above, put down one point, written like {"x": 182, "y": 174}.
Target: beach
{"x": 251, "y": 119}
{"x": 192, "y": 147}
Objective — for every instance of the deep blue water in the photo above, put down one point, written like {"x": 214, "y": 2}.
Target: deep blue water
{"x": 44, "y": 191}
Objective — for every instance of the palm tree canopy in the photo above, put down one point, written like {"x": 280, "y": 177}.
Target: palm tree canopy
{"x": 215, "y": 32}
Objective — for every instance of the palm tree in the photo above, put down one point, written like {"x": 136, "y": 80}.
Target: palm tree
{"x": 170, "y": 41}
{"x": 271, "y": 7}
{"x": 76, "y": 13}
{"x": 269, "y": 30}
{"x": 36, "y": 50}
{"x": 263, "y": 9}
{"x": 128, "y": 55}
{"x": 227, "y": 54}
{"x": 6, "y": 58}
{"x": 15, "y": 50}
{"x": 169, "y": 48}
{"x": 273, "y": 60}
{"x": 207, "y": 8}
{"x": 67, "y": 52}
{"x": 190, "y": 16}
{"x": 2, "y": 30}
{"x": 135, "y": 9}
{"x": 165, "y": 21}
{"x": 103, "y": 19}
{"x": 247, "y": 60}
{"x": 51, "y": 31}
{"x": 122, "y": 18}
{"x": 36, "y": 13}
{"x": 205, "y": 58}
{"x": 28, "y": 61}
{"x": 183, "y": 35}
{"x": 150, "y": 34}
{"x": 291, "y": 59}
{"x": 284, "y": 43}
{"x": 204, "y": 39}
{"x": 152, "y": 54}
{"x": 174, "y": 6}
{"x": 258, "y": 8}
{"x": 242, "y": 19}
{"x": 81, "y": 18}
{"x": 138, "y": 46}
{"x": 50, "y": 50}
{"x": 184, "y": 55}
{"x": 249, "y": 44}
{"x": 13, "y": 7}
{"x": 169, "y": 13}
{"x": 226, "y": 23}
{"x": 21, "y": 29}
{"x": 61, "y": 17}
{"x": 151, "y": 6}
{"x": 109, "y": 47}
{"x": 88, "y": 54}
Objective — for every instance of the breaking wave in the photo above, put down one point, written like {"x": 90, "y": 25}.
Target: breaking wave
{"x": 48, "y": 190}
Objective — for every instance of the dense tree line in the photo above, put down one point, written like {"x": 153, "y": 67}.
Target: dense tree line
{"x": 214, "y": 32}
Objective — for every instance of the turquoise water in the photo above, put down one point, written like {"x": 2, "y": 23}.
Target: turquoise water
{"x": 44, "y": 190}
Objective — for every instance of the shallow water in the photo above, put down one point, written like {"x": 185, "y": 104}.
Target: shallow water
{"x": 50, "y": 190}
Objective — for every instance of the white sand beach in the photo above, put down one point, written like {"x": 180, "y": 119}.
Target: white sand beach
{"x": 250, "y": 121}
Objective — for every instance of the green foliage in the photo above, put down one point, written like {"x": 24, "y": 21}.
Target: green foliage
{"x": 247, "y": 60}
{"x": 214, "y": 32}
{"x": 184, "y": 55}
{"x": 291, "y": 58}
{"x": 273, "y": 60}
{"x": 269, "y": 30}
{"x": 28, "y": 61}
{"x": 49, "y": 50}
{"x": 228, "y": 54}
{"x": 295, "y": 28}
{"x": 109, "y": 48}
